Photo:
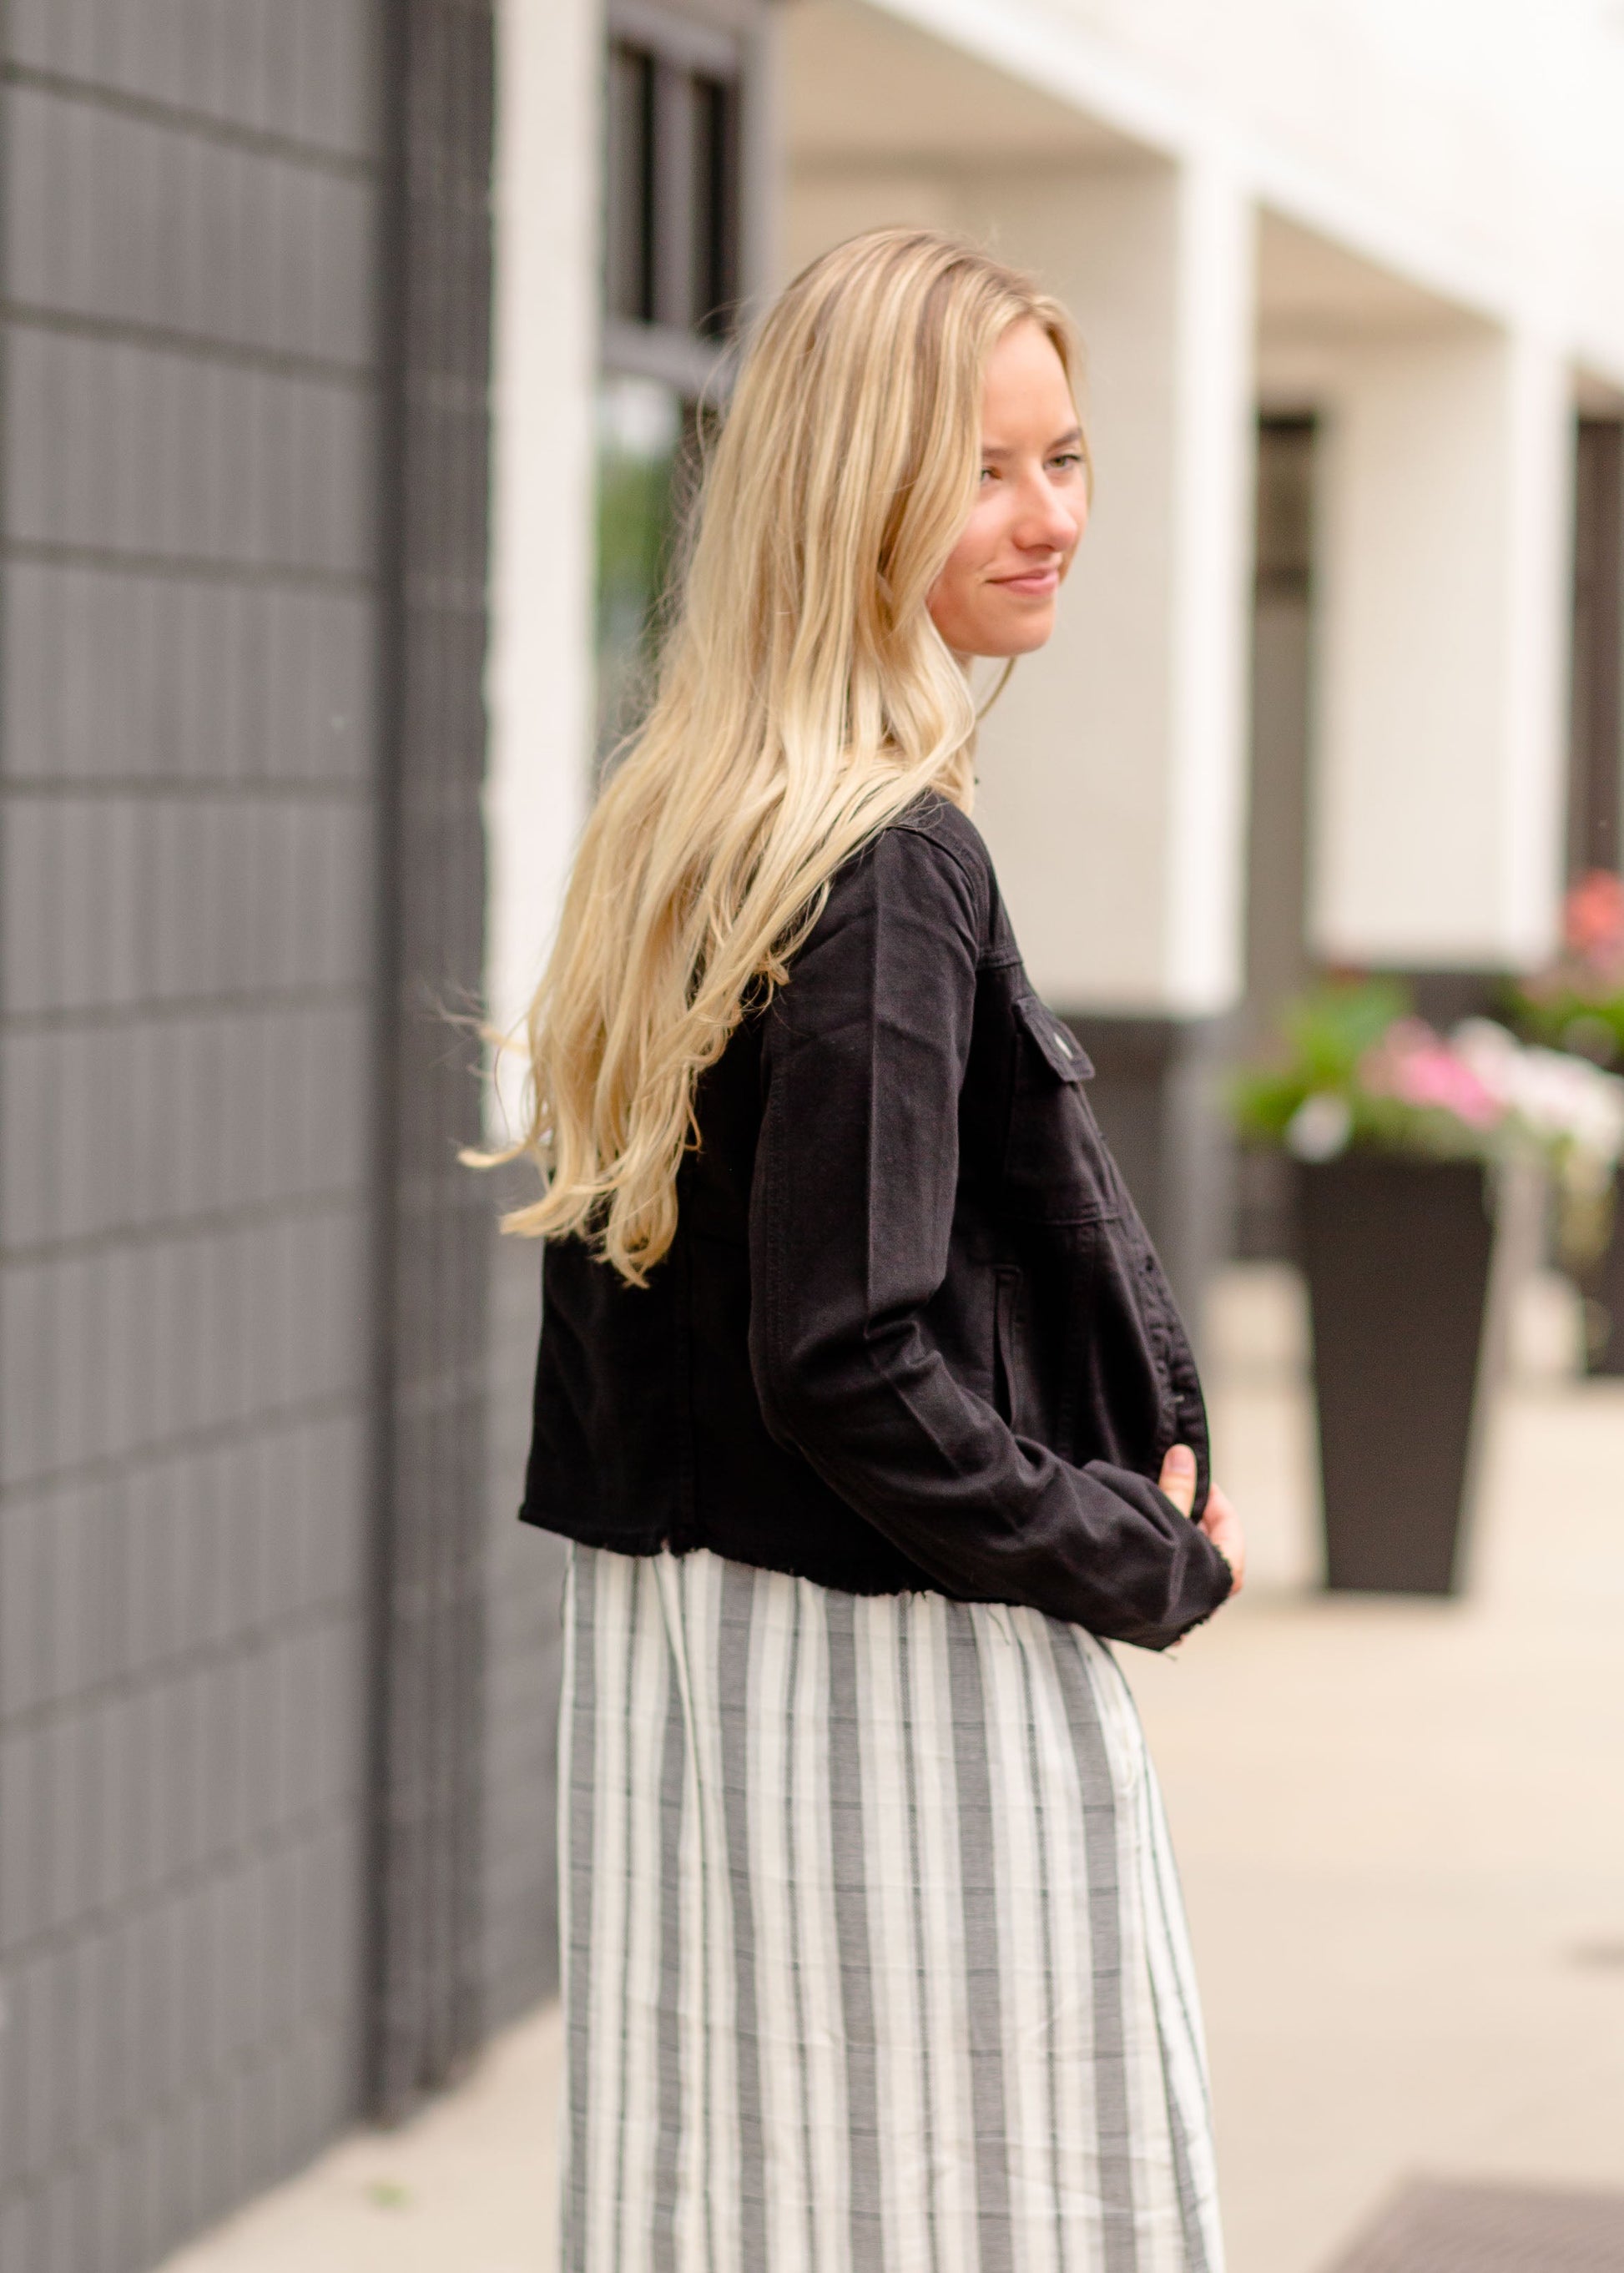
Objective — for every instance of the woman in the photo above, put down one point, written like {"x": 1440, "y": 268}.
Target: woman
{"x": 857, "y": 1377}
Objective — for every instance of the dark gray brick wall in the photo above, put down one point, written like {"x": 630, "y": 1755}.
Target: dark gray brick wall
{"x": 278, "y": 1667}
{"x": 434, "y": 1595}
{"x": 187, "y": 549}
{"x": 302, "y": 73}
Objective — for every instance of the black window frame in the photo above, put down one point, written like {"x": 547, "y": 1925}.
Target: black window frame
{"x": 674, "y": 174}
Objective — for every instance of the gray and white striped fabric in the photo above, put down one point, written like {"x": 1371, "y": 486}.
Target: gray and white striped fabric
{"x": 875, "y": 1959}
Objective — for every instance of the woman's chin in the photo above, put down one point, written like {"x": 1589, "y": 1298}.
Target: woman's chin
{"x": 1002, "y": 637}
{"x": 1030, "y": 632}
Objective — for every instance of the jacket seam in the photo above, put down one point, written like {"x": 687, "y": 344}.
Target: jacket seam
{"x": 975, "y": 875}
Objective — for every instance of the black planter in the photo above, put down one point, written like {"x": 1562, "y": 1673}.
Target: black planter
{"x": 1602, "y": 1287}
{"x": 1397, "y": 1254}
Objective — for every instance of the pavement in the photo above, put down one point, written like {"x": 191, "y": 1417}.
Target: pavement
{"x": 1400, "y": 1824}
{"x": 465, "y": 2187}
{"x": 1401, "y": 1829}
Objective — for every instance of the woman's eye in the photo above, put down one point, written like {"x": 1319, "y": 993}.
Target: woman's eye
{"x": 988, "y": 473}
{"x": 1068, "y": 458}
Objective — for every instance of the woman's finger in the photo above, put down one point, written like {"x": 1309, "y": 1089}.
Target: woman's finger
{"x": 1222, "y": 1527}
{"x": 1177, "y": 1478}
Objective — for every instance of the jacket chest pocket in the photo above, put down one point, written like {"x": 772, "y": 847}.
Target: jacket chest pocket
{"x": 1054, "y": 1164}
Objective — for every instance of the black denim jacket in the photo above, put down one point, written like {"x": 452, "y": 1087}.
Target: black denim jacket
{"x": 911, "y": 1333}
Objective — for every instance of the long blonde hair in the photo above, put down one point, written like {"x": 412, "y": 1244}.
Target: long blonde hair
{"x": 804, "y": 699}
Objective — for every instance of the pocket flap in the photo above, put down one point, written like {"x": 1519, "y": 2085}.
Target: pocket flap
{"x": 1067, "y": 1058}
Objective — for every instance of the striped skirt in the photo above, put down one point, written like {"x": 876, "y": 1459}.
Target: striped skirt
{"x": 874, "y": 1955}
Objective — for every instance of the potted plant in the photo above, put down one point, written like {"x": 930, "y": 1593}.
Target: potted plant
{"x": 1407, "y": 1144}
{"x": 1577, "y": 1005}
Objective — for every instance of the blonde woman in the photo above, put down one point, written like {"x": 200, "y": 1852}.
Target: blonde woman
{"x": 861, "y": 1392}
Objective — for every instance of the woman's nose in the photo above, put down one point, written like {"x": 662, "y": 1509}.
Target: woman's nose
{"x": 1048, "y": 522}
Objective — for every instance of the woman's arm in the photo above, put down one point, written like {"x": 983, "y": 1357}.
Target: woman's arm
{"x": 863, "y": 1058}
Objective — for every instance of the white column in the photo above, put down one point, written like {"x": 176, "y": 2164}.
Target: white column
{"x": 1442, "y": 644}
{"x": 1113, "y": 769}
{"x": 538, "y": 680}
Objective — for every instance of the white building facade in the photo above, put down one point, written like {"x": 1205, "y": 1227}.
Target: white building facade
{"x": 1364, "y": 260}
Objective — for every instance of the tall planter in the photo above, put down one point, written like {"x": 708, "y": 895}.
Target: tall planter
{"x": 1602, "y": 1287}
{"x": 1397, "y": 1252}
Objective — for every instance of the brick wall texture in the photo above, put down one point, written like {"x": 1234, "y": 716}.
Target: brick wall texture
{"x": 191, "y": 612}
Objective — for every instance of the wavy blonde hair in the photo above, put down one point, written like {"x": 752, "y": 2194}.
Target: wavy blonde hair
{"x": 804, "y": 699}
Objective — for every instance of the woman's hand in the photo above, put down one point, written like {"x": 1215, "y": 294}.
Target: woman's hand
{"x": 1219, "y": 1519}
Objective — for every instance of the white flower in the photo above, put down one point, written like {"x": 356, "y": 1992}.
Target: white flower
{"x": 1493, "y": 1054}
{"x": 1320, "y": 1127}
{"x": 1564, "y": 1102}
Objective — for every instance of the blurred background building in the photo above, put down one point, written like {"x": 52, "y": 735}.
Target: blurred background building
{"x": 350, "y": 352}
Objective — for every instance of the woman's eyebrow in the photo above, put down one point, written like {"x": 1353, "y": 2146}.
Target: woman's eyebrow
{"x": 1006, "y": 450}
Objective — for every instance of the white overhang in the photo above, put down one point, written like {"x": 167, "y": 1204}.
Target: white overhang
{"x": 914, "y": 82}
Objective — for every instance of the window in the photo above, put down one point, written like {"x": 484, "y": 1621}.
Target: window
{"x": 675, "y": 92}
{"x": 671, "y": 234}
{"x": 642, "y": 439}
{"x": 1596, "y": 710}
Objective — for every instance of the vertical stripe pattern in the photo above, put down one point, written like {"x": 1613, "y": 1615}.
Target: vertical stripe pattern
{"x": 875, "y": 1959}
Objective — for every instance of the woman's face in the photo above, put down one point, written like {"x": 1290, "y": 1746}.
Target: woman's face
{"x": 997, "y": 595}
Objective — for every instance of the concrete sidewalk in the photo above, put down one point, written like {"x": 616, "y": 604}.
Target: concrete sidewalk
{"x": 467, "y": 2186}
{"x": 1401, "y": 1826}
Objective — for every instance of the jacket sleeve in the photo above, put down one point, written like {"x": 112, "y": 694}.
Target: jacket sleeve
{"x": 864, "y": 1054}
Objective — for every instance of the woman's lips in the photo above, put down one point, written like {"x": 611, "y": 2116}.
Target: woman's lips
{"x": 1037, "y": 584}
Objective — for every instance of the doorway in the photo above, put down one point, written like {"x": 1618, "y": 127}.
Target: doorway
{"x": 1277, "y": 958}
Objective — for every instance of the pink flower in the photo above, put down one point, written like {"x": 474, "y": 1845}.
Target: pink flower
{"x": 1412, "y": 1064}
{"x": 1593, "y": 919}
